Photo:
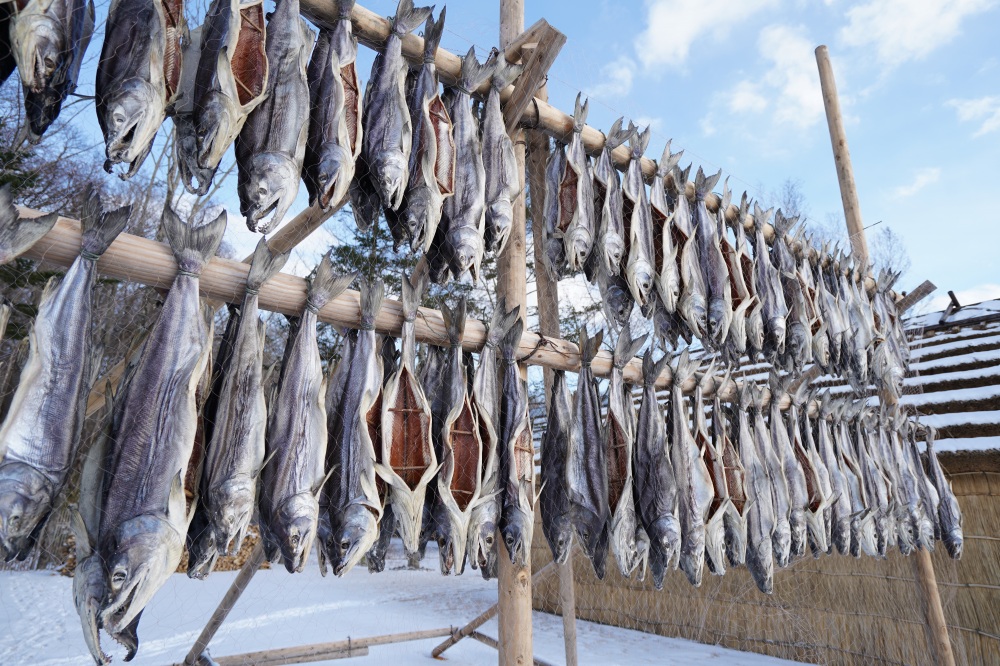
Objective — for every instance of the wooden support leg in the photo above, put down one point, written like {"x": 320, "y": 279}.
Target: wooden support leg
{"x": 934, "y": 612}
{"x": 567, "y": 601}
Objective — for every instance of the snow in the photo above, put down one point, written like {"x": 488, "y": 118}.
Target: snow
{"x": 39, "y": 625}
{"x": 958, "y": 345}
{"x": 966, "y": 312}
{"x": 960, "y": 418}
{"x": 964, "y": 334}
{"x": 948, "y": 361}
{"x": 963, "y": 444}
{"x": 956, "y": 395}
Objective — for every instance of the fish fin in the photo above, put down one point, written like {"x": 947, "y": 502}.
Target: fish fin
{"x": 408, "y": 17}
{"x": 473, "y": 72}
{"x": 193, "y": 247}
{"x": 639, "y": 141}
{"x": 413, "y": 290}
{"x": 326, "y": 285}
{"x": 454, "y": 321}
{"x": 704, "y": 184}
{"x": 505, "y": 72}
{"x": 371, "y": 302}
{"x": 627, "y": 346}
{"x": 432, "y": 35}
{"x": 617, "y": 135}
{"x": 512, "y": 337}
{"x": 18, "y": 234}
{"x": 501, "y": 322}
{"x": 727, "y": 199}
{"x": 100, "y": 228}
{"x": 589, "y": 345}
{"x": 651, "y": 370}
{"x": 265, "y": 265}
{"x": 761, "y": 217}
{"x": 580, "y": 113}
{"x": 681, "y": 179}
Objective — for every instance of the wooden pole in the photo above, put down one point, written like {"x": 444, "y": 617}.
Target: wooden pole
{"x": 842, "y": 158}
{"x": 923, "y": 569}
{"x": 514, "y": 583}
{"x": 222, "y": 611}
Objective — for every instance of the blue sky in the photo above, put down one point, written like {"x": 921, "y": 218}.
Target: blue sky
{"x": 734, "y": 83}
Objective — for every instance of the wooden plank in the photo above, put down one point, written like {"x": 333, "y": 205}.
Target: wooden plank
{"x": 532, "y": 35}
{"x": 923, "y": 290}
{"x": 279, "y": 658}
{"x": 492, "y": 642}
{"x": 536, "y": 68}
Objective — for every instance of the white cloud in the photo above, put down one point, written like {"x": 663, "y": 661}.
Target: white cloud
{"x": 746, "y": 97}
{"x": 977, "y": 294}
{"x": 707, "y": 126}
{"x": 985, "y": 109}
{"x": 902, "y": 30}
{"x": 672, "y": 26}
{"x": 921, "y": 179}
{"x": 616, "y": 79}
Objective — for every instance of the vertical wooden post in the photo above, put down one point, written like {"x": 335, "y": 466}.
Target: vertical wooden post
{"x": 514, "y": 584}
{"x": 842, "y": 158}
{"x": 937, "y": 629}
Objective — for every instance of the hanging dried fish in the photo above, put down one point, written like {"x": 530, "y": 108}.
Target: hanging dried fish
{"x": 655, "y": 480}
{"x": 910, "y": 507}
{"x": 355, "y": 507}
{"x": 840, "y": 518}
{"x": 817, "y": 481}
{"x": 587, "y": 470}
{"x": 138, "y": 77}
{"x": 432, "y": 157}
{"x": 408, "y": 459}
{"x": 693, "y": 304}
{"x": 458, "y": 241}
{"x": 713, "y": 264}
{"x": 619, "y": 438}
{"x": 760, "y": 509}
{"x": 639, "y": 267}
{"x": 668, "y": 277}
{"x": 576, "y": 196}
{"x": 949, "y": 513}
{"x": 927, "y": 525}
{"x": 502, "y": 180}
{"x": 375, "y": 557}
{"x": 694, "y": 484}
{"x": 769, "y": 289}
{"x": 41, "y": 433}
{"x": 554, "y": 258}
{"x": 781, "y": 535}
{"x": 798, "y": 325}
{"x": 794, "y": 475}
{"x": 610, "y": 242}
{"x": 486, "y": 397}
{"x": 735, "y": 520}
{"x": 48, "y": 39}
{"x": 194, "y": 179}
{"x": 335, "y": 133}
{"x": 746, "y": 332}
{"x": 271, "y": 146}
{"x": 876, "y": 485}
{"x": 515, "y": 455}
{"x": 719, "y": 504}
{"x": 554, "y": 495}
{"x": 145, "y": 513}
{"x": 863, "y": 538}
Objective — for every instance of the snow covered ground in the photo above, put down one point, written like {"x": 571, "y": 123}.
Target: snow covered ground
{"x": 39, "y": 626}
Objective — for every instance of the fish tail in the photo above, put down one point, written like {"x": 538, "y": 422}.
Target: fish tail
{"x": 704, "y": 184}
{"x": 511, "y": 338}
{"x": 685, "y": 368}
{"x": 639, "y": 141}
{"x": 651, "y": 370}
{"x": 371, "y": 302}
{"x": 344, "y": 9}
{"x": 326, "y": 285}
{"x": 474, "y": 72}
{"x": 627, "y": 347}
{"x": 432, "y": 35}
{"x": 505, "y": 72}
{"x": 761, "y": 217}
{"x": 100, "y": 228}
{"x": 683, "y": 176}
{"x": 502, "y": 320}
{"x": 264, "y": 265}
{"x": 618, "y": 135}
{"x": 193, "y": 246}
{"x": 589, "y": 345}
{"x": 17, "y": 234}
{"x": 408, "y": 17}
{"x": 413, "y": 291}
{"x": 580, "y": 113}
{"x": 454, "y": 321}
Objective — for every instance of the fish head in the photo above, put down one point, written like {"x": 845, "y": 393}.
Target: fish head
{"x": 268, "y": 191}
{"x": 562, "y": 540}
{"x": 821, "y": 349}
{"x": 294, "y": 528}
{"x": 695, "y": 313}
{"x": 755, "y": 328}
{"x": 144, "y": 552}
{"x": 484, "y": 547}
{"x": 501, "y": 212}
{"x": 214, "y": 122}
{"x": 466, "y": 250}
{"x": 858, "y": 364}
{"x": 692, "y": 561}
{"x": 232, "y": 505}
{"x": 41, "y": 109}
{"x": 352, "y": 538}
{"x": 781, "y": 540}
{"x": 132, "y": 117}
{"x": 513, "y": 534}
{"x": 618, "y": 303}
{"x": 907, "y": 538}
{"x": 25, "y": 499}
{"x": 776, "y": 334}
{"x": 953, "y": 542}
{"x": 761, "y": 565}
{"x": 666, "y": 533}
{"x": 670, "y": 289}
{"x": 593, "y": 532}
{"x": 333, "y": 174}
{"x": 613, "y": 248}
{"x": 640, "y": 280}
{"x": 715, "y": 545}
{"x": 391, "y": 170}
{"x": 842, "y": 536}
{"x": 555, "y": 258}
{"x": 39, "y": 44}
{"x": 580, "y": 243}
{"x": 89, "y": 590}
{"x": 420, "y": 206}
{"x": 798, "y": 338}
{"x": 720, "y": 316}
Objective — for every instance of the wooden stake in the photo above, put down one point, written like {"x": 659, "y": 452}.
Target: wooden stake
{"x": 842, "y": 157}
{"x": 923, "y": 569}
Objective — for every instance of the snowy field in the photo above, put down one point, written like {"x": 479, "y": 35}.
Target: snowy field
{"x": 39, "y": 626}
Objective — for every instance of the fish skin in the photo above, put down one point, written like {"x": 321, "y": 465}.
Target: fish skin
{"x": 408, "y": 502}
{"x": 912, "y": 513}
{"x": 781, "y": 536}
{"x": 863, "y": 537}
{"x": 388, "y": 131}
{"x": 502, "y": 180}
{"x": 486, "y": 395}
{"x": 296, "y": 439}
{"x": 719, "y": 504}
{"x": 516, "y": 466}
{"x": 432, "y": 156}
{"x": 554, "y": 495}
{"x": 949, "y": 512}
{"x": 760, "y": 503}
{"x": 735, "y": 520}
{"x": 694, "y": 484}
{"x": 640, "y": 268}
{"x": 769, "y": 289}
{"x": 270, "y": 147}
{"x": 48, "y": 41}
{"x": 616, "y": 298}
{"x": 355, "y": 506}
{"x": 144, "y": 515}
{"x": 795, "y": 476}
{"x": 668, "y": 279}
{"x": 195, "y": 179}
{"x": 927, "y": 530}
{"x": 713, "y": 264}
{"x": 40, "y": 434}
{"x": 609, "y": 243}
{"x": 18, "y": 234}
{"x": 587, "y": 470}
{"x": 335, "y": 139}
{"x": 576, "y": 196}
{"x": 619, "y": 443}
{"x": 819, "y": 491}
{"x": 554, "y": 257}
{"x": 840, "y": 519}
{"x": 236, "y": 449}
{"x": 132, "y": 90}
{"x": 693, "y": 303}
{"x": 655, "y": 483}
{"x": 459, "y": 236}
{"x": 876, "y": 485}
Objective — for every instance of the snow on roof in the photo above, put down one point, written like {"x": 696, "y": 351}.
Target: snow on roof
{"x": 966, "y": 312}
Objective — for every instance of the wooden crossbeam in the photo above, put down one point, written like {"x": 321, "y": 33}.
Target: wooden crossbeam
{"x": 548, "y": 42}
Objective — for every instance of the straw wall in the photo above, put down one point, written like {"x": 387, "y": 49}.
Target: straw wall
{"x": 832, "y": 610}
